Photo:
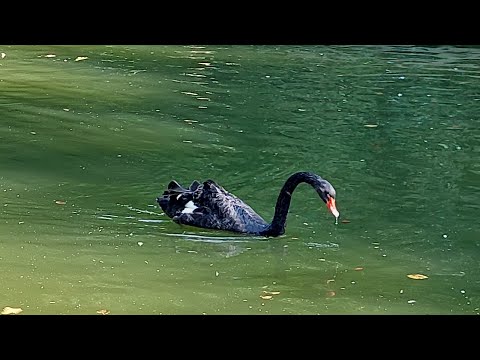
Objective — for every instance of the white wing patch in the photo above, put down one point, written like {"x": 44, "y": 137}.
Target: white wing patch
{"x": 189, "y": 207}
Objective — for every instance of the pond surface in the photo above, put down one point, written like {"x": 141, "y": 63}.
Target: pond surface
{"x": 90, "y": 136}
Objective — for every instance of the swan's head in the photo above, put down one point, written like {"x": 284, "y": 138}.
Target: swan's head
{"x": 327, "y": 194}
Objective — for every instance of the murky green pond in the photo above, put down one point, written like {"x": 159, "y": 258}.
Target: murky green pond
{"x": 90, "y": 136}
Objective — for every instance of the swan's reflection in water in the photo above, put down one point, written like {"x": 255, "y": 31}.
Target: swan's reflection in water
{"x": 279, "y": 256}
{"x": 233, "y": 246}
{"x": 226, "y": 246}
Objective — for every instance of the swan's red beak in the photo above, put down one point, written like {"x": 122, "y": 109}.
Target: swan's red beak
{"x": 331, "y": 206}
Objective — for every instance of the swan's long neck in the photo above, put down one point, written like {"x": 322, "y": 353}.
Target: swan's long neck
{"x": 277, "y": 226}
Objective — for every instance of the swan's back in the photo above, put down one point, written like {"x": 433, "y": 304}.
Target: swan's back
{"x": 209, "y": 205}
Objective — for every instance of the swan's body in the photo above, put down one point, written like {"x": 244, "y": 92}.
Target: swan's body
{"x": 208, "y": 205}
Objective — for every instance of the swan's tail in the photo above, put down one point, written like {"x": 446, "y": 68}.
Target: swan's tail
{"x": 177, "y": 199}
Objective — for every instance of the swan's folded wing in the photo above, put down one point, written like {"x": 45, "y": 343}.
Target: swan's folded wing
{"x": 200, "y": 217}
{"x": 209, "y": 205}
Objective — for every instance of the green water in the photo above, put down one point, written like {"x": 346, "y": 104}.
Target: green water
{"x": 104, "y": 135}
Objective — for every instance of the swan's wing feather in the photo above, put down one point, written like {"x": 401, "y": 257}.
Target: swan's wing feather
{"x": 225, "y": 210}
{"x": 194, "y": 185}
{"x": 209, "y": 205}
{"x": 174, "y": 200}
{"x": 220, "y": 201}
{"x": 175, "y": 186}
{"x": 203, "y": 210}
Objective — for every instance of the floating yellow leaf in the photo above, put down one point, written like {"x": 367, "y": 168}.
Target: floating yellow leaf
{"x": 103, "y": 312}
{"x": 2, "y": 55}
{"x": 370, "y": 125}
{"x": 271, "y": 292}
{"x": 417, "y": 276}
{"x": 50, "y": 55}
{"x": 331, "y": 293}
{"x": 7, "y": 310}
{"x": 60, "y": 202}
{"x": 358, "y": 268}
{"x": 80, "y": 58}
{"x": 266, "y": 297}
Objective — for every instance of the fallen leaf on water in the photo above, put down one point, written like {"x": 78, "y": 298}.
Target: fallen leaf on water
{"x": 370, "y": 125}
{"x": 417, "y": 276}
{"x": 103, "y": 312}
{"x": 60, "y": 202}
{"x": 331, "y": 293}
{"x": 7, "y": 310}
{"x": 50, "y": 55}
{"x": 3, "y": 55}
{"x": 271, "y": 292}
{"x": 358, "y": 268}
{"x": 266, "y": 297}
{"x": 330, "y": 280}
{"x": 80, "y": 58}
{"x": 345, "y": 221}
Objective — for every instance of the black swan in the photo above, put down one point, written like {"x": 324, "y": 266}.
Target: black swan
{"x": 210, "y": 206}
